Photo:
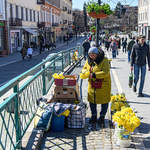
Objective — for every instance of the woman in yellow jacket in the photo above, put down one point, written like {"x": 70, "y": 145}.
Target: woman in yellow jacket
{"x": 100, "y": 69}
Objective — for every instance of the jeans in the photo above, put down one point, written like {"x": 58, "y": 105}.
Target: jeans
{"x": 136, "y": 76}
{"x": 114, "y": 54}
{"x": 129, "y": 53}
{"x": 93, "y": 108}
{"x": 85, "y": 55}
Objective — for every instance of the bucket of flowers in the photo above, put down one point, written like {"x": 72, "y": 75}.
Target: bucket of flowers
{"x": 127, "y": 121}
{"x": 98, "y": 11}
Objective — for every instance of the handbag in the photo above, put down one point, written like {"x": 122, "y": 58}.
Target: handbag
{"x": 96, "y": 83}
{"x": 130, "y": 79}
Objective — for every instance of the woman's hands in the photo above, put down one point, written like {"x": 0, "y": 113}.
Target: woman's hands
{"x": 91, "y": 76}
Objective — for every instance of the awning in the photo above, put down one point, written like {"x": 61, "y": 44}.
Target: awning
{"x": 30, "y": 31}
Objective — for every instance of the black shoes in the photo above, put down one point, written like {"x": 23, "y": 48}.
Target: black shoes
{"x": 140, "y": 94}
{"x": 134, "y": 88}
{"x": 101, "y": 120}
{"x": 93, "y": 119}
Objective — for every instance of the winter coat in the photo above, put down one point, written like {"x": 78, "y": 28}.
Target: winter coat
{"x": 23, "y": 51}
{"x": 130, "y": 45}
{"x": 30, "y": 50}
{"x": 124, "y": 43}
{"x": 86, "y": 46}
{"x": 100, "y": 70}
{"x": 139, "y": 54}
{"x": 113, "y": 46}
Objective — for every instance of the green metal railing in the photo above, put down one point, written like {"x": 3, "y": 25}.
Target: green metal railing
{"x": 19, "y": 108}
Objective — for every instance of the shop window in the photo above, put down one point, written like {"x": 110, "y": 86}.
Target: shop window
{"x": 1, "y": 38}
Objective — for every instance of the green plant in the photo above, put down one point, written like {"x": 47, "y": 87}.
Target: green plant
{"x": 94, "y": 7}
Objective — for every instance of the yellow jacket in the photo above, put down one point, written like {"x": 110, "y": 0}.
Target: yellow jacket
{"x": 101, "y": 70}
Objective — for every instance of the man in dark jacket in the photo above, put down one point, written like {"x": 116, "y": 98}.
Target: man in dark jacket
{"x": 139, "y": 53}
{"x": 86, "y": 46}
{"x": 124, "y": 44}
{"x": 129, "y": 47}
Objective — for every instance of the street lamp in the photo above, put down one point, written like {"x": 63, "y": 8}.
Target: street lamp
{"x": 67, "y": 35}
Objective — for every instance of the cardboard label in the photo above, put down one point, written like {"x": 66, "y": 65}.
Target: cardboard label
{"x": 64, "y": 92}
{"x": 65, "y": 82}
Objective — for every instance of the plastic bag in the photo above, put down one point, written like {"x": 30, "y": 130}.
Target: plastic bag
{"x": 130, "y": 79}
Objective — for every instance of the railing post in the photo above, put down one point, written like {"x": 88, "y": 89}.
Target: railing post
{"x": 62, "y": 62}
{"x": 54, "y": 66}
{"x": 17, "y": 116}
{"x": 69, "y": 58}
{"x": 44, "y": 83}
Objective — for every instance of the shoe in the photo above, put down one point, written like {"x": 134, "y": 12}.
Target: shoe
{"x": 134, "y": 88}
{"x": 93, "y": 119}
{"x": 101, "y": 120}
{"x": 140, "y": 94}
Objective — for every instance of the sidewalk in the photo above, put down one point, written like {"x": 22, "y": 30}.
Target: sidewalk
{"x": 17, "y": 55}
{"x": 94, "y": 136}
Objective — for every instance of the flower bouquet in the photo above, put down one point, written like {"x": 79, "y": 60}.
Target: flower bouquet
{"x": 84, "y": 75}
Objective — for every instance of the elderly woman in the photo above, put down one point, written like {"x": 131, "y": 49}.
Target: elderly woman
{"x": 99, "y": 68}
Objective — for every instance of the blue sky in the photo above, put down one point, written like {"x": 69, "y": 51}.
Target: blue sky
{"x": 79, "y": 3}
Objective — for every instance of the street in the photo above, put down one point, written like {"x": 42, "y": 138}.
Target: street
{"x": 8, "y": 72}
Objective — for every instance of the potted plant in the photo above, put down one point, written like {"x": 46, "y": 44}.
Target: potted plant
{"x": 98, "y": 11}
{"x": 93, "y": 29}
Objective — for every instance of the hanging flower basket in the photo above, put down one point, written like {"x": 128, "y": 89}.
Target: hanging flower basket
{"x": 93, "y": 31}
{"x": 98, "y": 16}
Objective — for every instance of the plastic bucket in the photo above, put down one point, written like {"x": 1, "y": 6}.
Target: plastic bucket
{"x": 57, "y": 123}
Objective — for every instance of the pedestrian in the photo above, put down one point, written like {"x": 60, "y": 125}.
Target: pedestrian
{"x": 113, "y": 48}
{"x": 139, "y": 53}
{"x": 60, "y": 38}
{"x": 29, "y": 52}
{"x": 86, "y": 46}
{"x": 124, "y": 44}
{"x": 90, "y": 39}
{"x": 98, "y": 66}
{"x": 23, "y": 51}
{"x": 119, "y": 43}
{"x": 122, "y": 39}
{"x": 129, "y": 47}
{"x": 147, "y": 42}
{"x": 107, "y": 44}
{"x": 64, "y": 38}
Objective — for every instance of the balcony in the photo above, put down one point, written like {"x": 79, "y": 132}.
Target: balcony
{"x": 69, "y": 22}
{"x": 64, "y": 9}
{"x": 64, "y": 21}
{"x": 15, "y": 22}
{"x": 69, "y": 11}
{"x": 55, "y": 24}
{"x": 41, "y": 24}
{"x": 41, "y": 2}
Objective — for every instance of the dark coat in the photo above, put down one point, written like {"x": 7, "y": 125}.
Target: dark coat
{"x": 139, "y": 54}
{"x": 130, "y": 45}
{"x": 86, "y": 46}
{"x": 124, "y": 43}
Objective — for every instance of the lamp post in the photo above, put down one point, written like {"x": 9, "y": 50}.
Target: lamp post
{"x": 67, "y": 35}
{"x": 97, "y": 28}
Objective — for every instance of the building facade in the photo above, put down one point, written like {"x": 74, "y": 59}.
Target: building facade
{"x": 143, "y": 19}
{"x": 4, "y": 49}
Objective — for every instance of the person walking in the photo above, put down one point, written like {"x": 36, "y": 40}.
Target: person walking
{"x": 29, "y": 52}
{"x": 107, "y": 44}
{"x": 129, "y": 47}
{"x": 98, "y": 66}
{"x": 23, "y": 51}
{"x": 119, "y": 43}
{"x": 86, "y": 46}
{"x": 139, "y": 53}
{"x": 124, "y": 44}
{"x": 113, "y": 48}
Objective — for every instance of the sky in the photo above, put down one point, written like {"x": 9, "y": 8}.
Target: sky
{"x": 79, "y": 3}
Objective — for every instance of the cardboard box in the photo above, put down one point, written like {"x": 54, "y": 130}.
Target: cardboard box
{"x": 64, "y": 100}
{"x": 70, "y": 80}
{"x": 64, "y": 92}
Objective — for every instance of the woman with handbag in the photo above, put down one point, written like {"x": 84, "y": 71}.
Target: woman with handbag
{"x": 99, "y": 83}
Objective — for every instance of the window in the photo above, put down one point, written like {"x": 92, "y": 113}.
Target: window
{"x": 34, "y": 16}
{"x": 30, "y": 15}
{"x": 1, "y": 38}
{"x": 17, "y": 12}
{"x": 1, "y": 6}
{"x": 26, "y": 14}
{"x": 11, "y": 12}
{"x": 22, "y": 13}
{"x": 38, "y": 16}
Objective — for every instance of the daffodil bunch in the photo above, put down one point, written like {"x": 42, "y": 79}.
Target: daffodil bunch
{"x": 126, "y": 118}
{"x": 118, "y": 97}
{"x": 58, "y": 76}
{"x": 84, "y": 75}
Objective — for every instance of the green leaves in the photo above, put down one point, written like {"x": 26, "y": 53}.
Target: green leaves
{"x": 94, "y": 7}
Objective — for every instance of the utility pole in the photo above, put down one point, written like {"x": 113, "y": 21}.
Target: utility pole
{"x": 97, "y": 28}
